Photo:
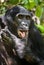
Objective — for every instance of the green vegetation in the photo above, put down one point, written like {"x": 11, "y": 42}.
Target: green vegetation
{"x": 28, "y": 4}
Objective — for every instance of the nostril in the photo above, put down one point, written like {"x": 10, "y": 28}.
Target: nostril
{"x": 26, "y": 25}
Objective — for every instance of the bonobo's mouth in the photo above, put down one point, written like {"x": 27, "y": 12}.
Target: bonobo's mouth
{"x": 22, "y": 33}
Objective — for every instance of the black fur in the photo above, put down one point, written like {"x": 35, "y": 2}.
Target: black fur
{"x": 35, "y": 46}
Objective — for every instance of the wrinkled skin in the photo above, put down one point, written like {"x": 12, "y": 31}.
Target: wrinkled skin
{"x": 25, "y": 39}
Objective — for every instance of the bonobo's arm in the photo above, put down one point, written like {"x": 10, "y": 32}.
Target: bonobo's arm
{"x": 37, "y": 42}
{"x": 18, "y": 45}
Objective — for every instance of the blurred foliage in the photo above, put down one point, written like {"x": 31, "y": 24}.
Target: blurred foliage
{"x": 13, "y": 2}
{"x": 28, "y": 4}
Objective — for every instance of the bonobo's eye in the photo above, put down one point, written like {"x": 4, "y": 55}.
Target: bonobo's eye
{"x": 20, "y": 16}
{"x": 28, "y": 17}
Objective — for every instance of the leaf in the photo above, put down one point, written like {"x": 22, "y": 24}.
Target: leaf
{"x": 24, "y": 1}
{"x": 13, "y": 2}
{"x": 28, "y": 4}
{"x": 41, "y": 28}
{"x": 38, "y": 11}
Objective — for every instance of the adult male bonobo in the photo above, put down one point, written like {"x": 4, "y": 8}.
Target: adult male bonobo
{"x": 18, "y": 20}
{"x": 24, "y": 33}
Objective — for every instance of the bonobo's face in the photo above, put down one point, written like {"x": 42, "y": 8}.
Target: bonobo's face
{"x": 23, "y": 24}
{"x": 19, "y": 21}
{"x": 23, "y": 20}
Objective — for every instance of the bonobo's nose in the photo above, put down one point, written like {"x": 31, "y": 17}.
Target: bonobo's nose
{"x": 24, "y": 23}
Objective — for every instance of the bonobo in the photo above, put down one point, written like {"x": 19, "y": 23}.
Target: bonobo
{"x": 18, "y": 22}
{"x": 26, "y": 37}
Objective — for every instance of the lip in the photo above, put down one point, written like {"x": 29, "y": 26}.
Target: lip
{"x": 22, "y": 33}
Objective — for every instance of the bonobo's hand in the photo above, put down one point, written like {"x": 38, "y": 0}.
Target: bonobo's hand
{"x": 19, "y": 44}
{"x": 6, "y": 37}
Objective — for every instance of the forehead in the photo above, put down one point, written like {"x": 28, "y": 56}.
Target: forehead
{"x": 23, "y": 11}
